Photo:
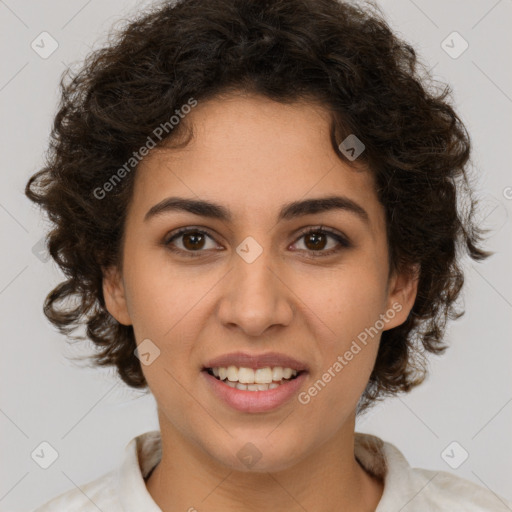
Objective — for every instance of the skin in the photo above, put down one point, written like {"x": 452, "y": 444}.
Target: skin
{"x": 195, "y": 309}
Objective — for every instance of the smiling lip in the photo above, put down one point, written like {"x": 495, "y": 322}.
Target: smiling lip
{"x": 255, "y": 401}
{"x": 255, "y": 361}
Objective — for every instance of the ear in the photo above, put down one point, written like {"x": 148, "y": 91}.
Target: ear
{"x": 402, "y": 290}
{"x": 115, "y": 296}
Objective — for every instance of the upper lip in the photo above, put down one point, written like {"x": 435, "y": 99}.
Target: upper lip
{"x": 271, "y": 359}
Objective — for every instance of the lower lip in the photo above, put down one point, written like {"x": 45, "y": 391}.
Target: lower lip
{"x": 255, "y": 401}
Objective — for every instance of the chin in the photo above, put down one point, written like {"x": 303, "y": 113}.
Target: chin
{"x": 257, "y": 453}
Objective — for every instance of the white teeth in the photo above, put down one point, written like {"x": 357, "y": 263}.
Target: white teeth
{"x": 277, "y": 373}
{"x": 263, "y": 375}
{"x": 246, "y": 375}
{"x": 232, "y": 373}
{"x": 287, "y": 373}
{"x": 259, "y": 376}
{"x": 252, "y": 387}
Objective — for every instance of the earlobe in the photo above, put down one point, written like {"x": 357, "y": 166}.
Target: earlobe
{"x": 115, "y": 297}
{"x": 402, "y": 294}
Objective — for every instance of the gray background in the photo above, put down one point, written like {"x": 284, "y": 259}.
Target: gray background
{"x": 89, "y": 417}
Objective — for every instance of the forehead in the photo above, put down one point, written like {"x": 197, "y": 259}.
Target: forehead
{"x": 254, "y": 155}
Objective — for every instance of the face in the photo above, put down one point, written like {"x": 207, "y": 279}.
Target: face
{"x": 254, "y": 281}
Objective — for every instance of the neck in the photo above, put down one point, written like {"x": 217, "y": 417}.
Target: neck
{"x": 329, "y": 478}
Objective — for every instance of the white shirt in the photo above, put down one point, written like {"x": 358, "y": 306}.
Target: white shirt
{"x": 406, "y": 489}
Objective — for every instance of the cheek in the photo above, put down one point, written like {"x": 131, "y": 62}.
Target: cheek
{"x": 158, "y": 295}
{"x": 346, "y": 300}
{"x": 345, "y": 306}
{"x": 167, "y": 307}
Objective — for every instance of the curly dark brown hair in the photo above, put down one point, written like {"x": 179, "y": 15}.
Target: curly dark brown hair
{"x": 341, "y": 55}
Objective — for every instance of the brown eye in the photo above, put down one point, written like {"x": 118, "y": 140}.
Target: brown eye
{"x": 317, "y": 239}
{"x": 316, "y": 242}
{"x": 192, "y": 241}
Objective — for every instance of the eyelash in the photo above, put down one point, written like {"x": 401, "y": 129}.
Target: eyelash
{"x": 314, "y": 254}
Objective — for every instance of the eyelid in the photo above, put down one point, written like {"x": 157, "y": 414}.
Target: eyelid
{"x": 339, "y": 237}
{"x": 188, "y": 229}
{"x": 328, "y": 231}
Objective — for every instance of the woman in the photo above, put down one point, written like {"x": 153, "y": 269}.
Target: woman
{"x": 255, "y": 204}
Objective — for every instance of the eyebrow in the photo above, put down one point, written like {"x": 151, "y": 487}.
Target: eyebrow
{"x": 288, "y": 211}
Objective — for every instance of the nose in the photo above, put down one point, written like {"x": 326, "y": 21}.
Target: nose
{"x": 255, "y": 296}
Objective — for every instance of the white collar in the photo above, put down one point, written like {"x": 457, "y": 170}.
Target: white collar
{"x": 405, "y": 488}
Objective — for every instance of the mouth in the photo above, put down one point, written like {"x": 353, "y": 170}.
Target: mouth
{"x": 254, "y": 390}
{"x": 254, "y": 379}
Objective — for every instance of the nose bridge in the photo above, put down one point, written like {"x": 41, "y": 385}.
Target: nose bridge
{"x": 255, "y": 298}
